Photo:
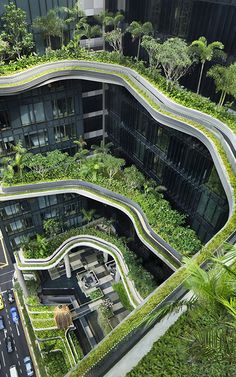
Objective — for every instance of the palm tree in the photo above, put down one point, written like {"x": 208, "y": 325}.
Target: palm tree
{"x": 88, "y": 215}
{"x": 138, "y": 30}
{"x": 19, "y": 157}
{"x": 213, "y": 294}
{"x": 69, "y": 15}
{"x": 116, "y": 20}
{"x": 50, "y": 26}
{"x": 62, "y": 316}
{"x": 103, "y": 148}
{"x": 104, "y": 19}
{"x": 205, "y": 52}
{"x": 81, "y": 153}
{"x": 85, "y": 30}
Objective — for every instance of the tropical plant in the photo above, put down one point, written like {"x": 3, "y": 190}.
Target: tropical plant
{"x": 88, "y": 215}
{"x": 102, "y": 148}
{"x": 152, "y": 46}
{"x": 104, "y": 18}
{"x": 82, "y": 152}
{"x": 138, "y": 30}
{"x": 225, "y": 80}
{"x": 51, "y": 227}
{"x": 174, "y": 59}
{"x": 19, "y": 162}
{"x": 205, "y": 52}
{"x": 116, "y": 19}
{"x": 49, "y": 26}
{"x": 113, "y": 165}
{"x": 15, "y": 34}
{"x": 114, "y": 39}
{"x": 213, "y": 292}
{"x": 134, "y": 178}
{"x": 83, "y": 29}
{"x": 4, "y": 47}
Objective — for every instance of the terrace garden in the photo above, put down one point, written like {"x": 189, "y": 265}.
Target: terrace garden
{"x": 107, "y": 171}
{"x": 170, "y": 226}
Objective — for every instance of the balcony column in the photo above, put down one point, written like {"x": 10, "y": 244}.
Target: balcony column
{"x": 21, "y": 281}
{"x": 117, "y": 275}
{"x": 105, "y": 257}
{"x": 67, "y": 266}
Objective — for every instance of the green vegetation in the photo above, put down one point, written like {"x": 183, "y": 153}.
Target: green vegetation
{"x": 96, "y": 295}
{"x": 106, "y": 170}
{"x": 204, "y": 339}
{"x": 18, "y": 40}
{"x": 58, "y": 356}
{"x": 120, "y": 289}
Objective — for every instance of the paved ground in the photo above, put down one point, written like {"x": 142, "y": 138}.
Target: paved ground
{"x": 17, "y": 333}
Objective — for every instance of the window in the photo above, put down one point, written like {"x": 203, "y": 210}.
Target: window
{"x": 4, "y": 120}
{"x": 12, "y": 209}
{"x": 64, "y": 132}
{"x": 6, "y": 144}
{"x": 36, "y": 139}
{"x": 32, "y": 113}
{"x": 162, "y": 139}
{"x": 46, "y": 201}
{"x": 62, "y": 107}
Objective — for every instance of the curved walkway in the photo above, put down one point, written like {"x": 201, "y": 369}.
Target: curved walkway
{"x": 112, "y": 73}
{"x": 83, "y": 240}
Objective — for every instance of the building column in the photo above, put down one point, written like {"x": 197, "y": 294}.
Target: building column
{"x": 117, "y": 275}
{"x": 21, "y": 281}
{"x": 67, "y": 266}
{"x": 105, "y": 257}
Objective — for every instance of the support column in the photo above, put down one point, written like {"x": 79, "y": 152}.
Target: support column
{"x": 117, "y": 275}
{"x": 67, "y": 266}
{"x": 21, "y": 281}
{"x": 105, "y": 256}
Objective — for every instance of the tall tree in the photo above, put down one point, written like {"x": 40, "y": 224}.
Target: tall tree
{"x": 116, "y": 20}
{"x": 15, "y": 31}
{"x": 70, "y": 16}
{"x": 114, "y": 39}
{"x": 153, "y": 47}
{"x": 104, "y": 18}
{"x": 50, "y": 26}
{"x": 225, "y": 80}
{"x": 205, "y": 52}
{"x": 4, "y": 47}
{"x": 174, "y": 59}
{"x": 18, "y": 162}
{"x": 138, "y": 30}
